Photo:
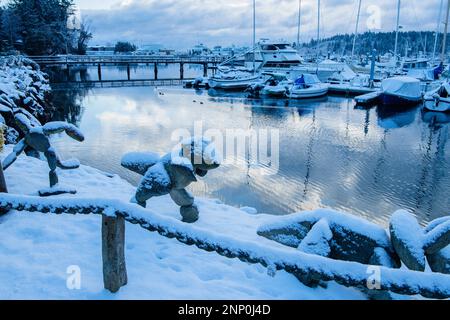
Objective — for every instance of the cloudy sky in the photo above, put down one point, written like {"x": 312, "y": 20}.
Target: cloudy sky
{"x": 183, "y": 23}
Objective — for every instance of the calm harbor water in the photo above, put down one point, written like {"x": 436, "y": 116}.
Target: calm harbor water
{"x": 368, "y": 162}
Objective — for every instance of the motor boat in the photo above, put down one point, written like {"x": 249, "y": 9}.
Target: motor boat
{"x": 401, "y": 91}
{"x": 308, "y": 86}
{"x": 233, "y": 79}
{"x": 438, "y": 100}
{"x": 277, "y": 85}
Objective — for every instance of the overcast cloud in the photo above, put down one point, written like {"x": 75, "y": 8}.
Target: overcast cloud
{"x": 183, "y": 23}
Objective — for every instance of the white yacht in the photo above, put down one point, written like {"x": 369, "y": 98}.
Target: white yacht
{"x": 270, "y": 56}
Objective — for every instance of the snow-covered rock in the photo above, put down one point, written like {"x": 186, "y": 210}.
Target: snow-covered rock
{"x": 440, "y": 261}
{"x": 317, "y": 241}
{"x": 381, "y": 257}
{"x": 23, "y": 87}
{"x": 354, "y": 239}
{"x": 407, "y": 239}
{"x": 438, "y": 238}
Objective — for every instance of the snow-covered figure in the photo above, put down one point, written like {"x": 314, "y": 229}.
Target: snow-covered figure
{"x": 173, "y": 173}
{"x": 37, "y": 139}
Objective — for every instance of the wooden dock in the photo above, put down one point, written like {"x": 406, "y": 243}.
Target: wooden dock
{"x": 348, "y": 90}
{"x": 368, "y": 98}
{"x": 76, "y": 61}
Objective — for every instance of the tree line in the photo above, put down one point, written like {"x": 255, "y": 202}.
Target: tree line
{"x": 411, "y": 42}
{"x": 42, "y": 27}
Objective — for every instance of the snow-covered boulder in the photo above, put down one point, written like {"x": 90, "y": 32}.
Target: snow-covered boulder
{"x": 354, "y": 239}
{"x": 317, "y": 241}
{"x": 382, "y": 258}
{"x": 440, "y": 261}
{"x": 438, "y": 238}
{"x": 407, "y": 239}
{"x": 433, "y": 224}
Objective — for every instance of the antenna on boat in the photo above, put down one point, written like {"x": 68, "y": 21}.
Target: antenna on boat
{"x": 438, "y": 29}
{"x": 254, "y": 36}
{"x": 397, "y": 30}
{"x": 444, "y": 43}
{"x": 356, "y": 29}
{"x": 299, "y": 22}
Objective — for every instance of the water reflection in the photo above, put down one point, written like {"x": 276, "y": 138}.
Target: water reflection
{"x": 369, "y": 162}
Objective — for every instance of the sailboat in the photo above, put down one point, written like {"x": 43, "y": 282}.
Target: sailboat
{"x": 237, "y": 78}
{"x": 438, "y": 100}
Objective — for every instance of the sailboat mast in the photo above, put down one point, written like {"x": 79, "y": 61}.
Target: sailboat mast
{"x": 444, "y": 43}
{"x": 318, "y": 26}
{"x": 299, "y": 22}
{"x": 254, "y": 36}
{"x": 356, "y": 29}
{"x": 438, "y": 29}
{"x": 397, "y": 30}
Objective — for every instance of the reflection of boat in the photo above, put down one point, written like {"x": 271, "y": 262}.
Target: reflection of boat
{"x": 433, "y": 117}
{"x": 233, "y": 79}
{"x": 438, "y": 99}
{"x": 401, "y": 91}
{"x": 308, "y": 86}
{"x": 389, "y": 119}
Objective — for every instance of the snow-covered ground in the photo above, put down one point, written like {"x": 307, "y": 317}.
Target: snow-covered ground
{"x": 36, "y": 250}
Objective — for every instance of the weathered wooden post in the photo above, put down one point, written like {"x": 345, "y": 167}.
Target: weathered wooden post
{"x": 3, "y": 187}
{"x": 181, "y": 70}
{"x": 99, "y": 71}
{"x": 205, "y": 69}
{"x": 113, "y": 253}
{"x": 156, "y": 71}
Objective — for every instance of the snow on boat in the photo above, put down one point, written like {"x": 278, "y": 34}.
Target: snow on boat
{"x": 233, "y": 79}
{"x": 276, "y": 86}
{"x": 401, "y": 91}
{"x": 308, "y": 86}
{"x": 438, "y": 100}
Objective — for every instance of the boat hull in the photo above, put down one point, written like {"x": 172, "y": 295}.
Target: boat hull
{"x": 238, "y": 84}
{"x": 388, "y": 99}
{"x": 439, "y": 105}
{"x": 309, "y": 93}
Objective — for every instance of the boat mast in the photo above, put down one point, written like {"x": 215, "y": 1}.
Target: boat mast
{"x": 318, "y": 28}
{"x": 444, "y": 43}
{"x": 299, "y": 22}
{"x": 356, "y": 29}
{"x": 438, "y": 29}
{"x": 254, "y": 36}
{"x": 397, "y": 30}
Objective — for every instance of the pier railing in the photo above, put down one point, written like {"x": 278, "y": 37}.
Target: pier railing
{"x": 124, "y": 59}
{"x": 349, "y": 274}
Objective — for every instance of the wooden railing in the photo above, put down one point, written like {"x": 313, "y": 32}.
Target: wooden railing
{"x": 124, "y": 59}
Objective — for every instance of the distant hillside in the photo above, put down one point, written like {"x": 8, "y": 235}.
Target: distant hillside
{"x": 416, "y": 42}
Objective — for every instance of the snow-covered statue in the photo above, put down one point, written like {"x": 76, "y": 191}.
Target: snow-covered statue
{"x": 36, "y": 138}
{"x": 173, "y": 173}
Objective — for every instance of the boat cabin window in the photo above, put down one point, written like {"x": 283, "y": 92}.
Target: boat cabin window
{"x": 269, "y": 47}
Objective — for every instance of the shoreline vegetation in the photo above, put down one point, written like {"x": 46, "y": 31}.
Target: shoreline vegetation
{"x": 323, "y": 248}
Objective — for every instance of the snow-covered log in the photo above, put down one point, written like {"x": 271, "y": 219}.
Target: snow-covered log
{"x": 350, "y": 274}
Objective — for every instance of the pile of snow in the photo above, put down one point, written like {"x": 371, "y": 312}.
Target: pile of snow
{"x": 37, "y": 250}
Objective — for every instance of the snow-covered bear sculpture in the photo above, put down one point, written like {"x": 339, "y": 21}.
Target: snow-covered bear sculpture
{"x": 36, "y": 137}
{"x": 173, "y": 173}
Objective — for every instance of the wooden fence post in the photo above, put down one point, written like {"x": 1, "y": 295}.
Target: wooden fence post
{"x": 3, "y": 187}
{"x": 113, "y": 253}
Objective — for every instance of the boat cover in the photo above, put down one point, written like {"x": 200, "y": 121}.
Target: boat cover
{"x": 405, "y": 87}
